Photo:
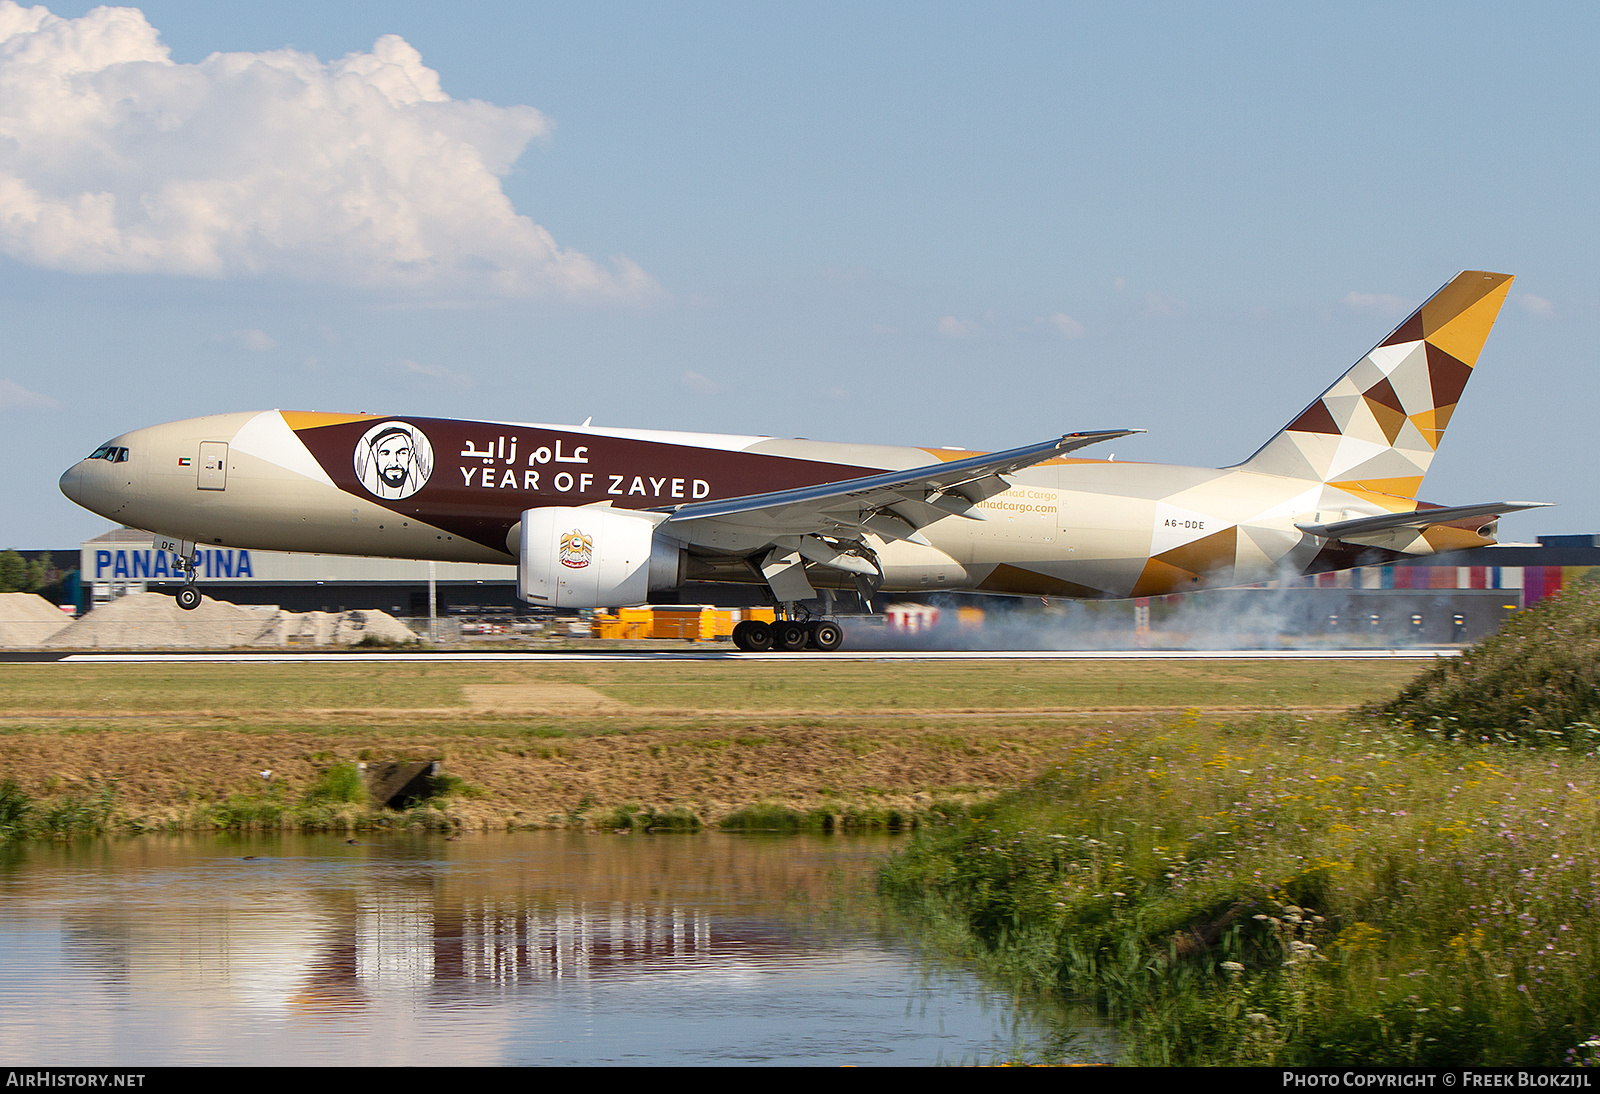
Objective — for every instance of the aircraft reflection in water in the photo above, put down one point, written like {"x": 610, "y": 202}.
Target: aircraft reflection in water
{"x": 533, "y": 947}
{"x": 289, "y": 953}
{"x": 600, "y": 517}
{"x": 397, "y": 923}
{"x": 402, "y": 941}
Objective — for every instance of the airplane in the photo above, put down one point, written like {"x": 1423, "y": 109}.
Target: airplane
{"x": 598, "y": 517}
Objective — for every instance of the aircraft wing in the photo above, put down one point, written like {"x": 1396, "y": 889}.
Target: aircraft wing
{"x": 925, "y": 494}
{"x": 1420, "y": 518}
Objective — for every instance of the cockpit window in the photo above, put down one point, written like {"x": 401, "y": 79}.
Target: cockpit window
{"x": 110, "y": 453}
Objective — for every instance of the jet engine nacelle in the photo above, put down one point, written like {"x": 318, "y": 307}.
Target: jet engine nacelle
{"x": 593, "y": 557}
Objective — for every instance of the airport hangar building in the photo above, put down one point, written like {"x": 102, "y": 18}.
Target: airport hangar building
{"x": 1457, "y": 597}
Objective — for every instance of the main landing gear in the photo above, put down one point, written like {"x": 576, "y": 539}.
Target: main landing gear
{"x": 758, "y": 636}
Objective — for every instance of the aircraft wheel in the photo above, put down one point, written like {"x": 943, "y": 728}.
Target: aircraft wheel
{"x": 790, "y": 636}
{"x": 757, "y": 636}
{"x": 741, "y": 636}
{"x": 188, "y": 598}
{"x": 827, "y": 637}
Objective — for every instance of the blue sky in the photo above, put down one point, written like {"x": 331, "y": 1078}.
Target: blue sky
{"x": 974, "y": 225}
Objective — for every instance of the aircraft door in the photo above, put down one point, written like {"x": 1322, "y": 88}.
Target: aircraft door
{"x": 213, "y": 465}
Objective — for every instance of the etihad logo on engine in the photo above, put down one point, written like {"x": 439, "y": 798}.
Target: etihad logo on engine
{"x": 393, "y": 460}
{"x": 577, "y": 549}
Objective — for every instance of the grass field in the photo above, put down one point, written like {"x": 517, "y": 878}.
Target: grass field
{"x": 1216, "y": 857}
{"x": 688, "y": 688}
{"x": 572, "y": 744}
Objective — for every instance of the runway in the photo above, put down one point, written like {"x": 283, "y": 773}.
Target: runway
{"x": 277, "y": 657}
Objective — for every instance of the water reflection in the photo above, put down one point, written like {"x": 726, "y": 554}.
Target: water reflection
{"x": 527, "y": 948}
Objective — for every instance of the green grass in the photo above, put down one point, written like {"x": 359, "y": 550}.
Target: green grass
{"x": 637, "y": 819}
{"x": 945, "y": 686}
{"x": 772, "y": 817}
{"x": 277, "y": 694}
{"x": 111, "y": 689}
{"x": 15, "y": 806}
{"x": 339, "y": 783}
{"x": 1416, "y": 886}
{"x": 1288, "y": 892}
{"x": 1535, "y": 682}
{"x": 337, "y": 801}
{"x": 60, "y": 817}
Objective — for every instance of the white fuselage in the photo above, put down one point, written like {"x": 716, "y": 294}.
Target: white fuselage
{"x": 1068, "y": 527}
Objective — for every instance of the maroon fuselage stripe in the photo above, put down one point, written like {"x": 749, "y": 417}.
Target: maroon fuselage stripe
{"x": 485, "y": 474}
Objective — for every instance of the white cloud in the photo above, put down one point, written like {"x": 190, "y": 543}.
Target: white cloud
{"x": 951, "y": 327}
{"x": 1537, "y": 305}
{"x": 1384, "y": 304}
{"x": 256, "y": 341}
{"x": 360, "y": 171}
{"x": 1163, "y": 305}
{"x": 702, "y": 385}
{"x": 13, "y": 396}
{"x": 1064, "y": 324}
{"x": 437, "y": 372}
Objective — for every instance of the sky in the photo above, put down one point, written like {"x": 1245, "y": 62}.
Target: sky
{"x": 977, "y": 225}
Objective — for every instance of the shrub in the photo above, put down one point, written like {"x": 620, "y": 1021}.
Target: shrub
{"x": 339, "y": 783}
{"x": 15, "y": 805}
{"x": 1537, "y": 681}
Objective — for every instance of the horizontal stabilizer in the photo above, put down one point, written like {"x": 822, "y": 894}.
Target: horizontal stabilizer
{"x": 1420, "y": 518}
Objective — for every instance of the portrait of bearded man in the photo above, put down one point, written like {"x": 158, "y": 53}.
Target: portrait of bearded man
{"x": 393, "y": 460}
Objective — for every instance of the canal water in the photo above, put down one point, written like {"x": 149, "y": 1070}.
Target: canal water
{"x": 526, "y": 948}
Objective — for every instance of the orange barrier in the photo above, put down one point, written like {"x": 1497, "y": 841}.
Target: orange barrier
{"x": 694, "y": 622}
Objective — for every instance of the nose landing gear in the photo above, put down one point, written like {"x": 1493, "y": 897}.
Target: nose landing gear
{"x": 189, "y": 596}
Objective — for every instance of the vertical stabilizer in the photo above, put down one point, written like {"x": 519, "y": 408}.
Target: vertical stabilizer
{"x": 1375, "y": 430}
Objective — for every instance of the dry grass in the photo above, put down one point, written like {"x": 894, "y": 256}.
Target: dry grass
{"x": 557, "y": 744}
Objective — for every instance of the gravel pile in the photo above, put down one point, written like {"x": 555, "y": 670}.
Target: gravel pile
{"x": 335, "y": 629}
{"x": 154, "y": 620}
{"x": 27, "y": 619}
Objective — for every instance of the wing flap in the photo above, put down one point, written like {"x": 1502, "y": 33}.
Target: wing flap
{"x": 918, "y": 496}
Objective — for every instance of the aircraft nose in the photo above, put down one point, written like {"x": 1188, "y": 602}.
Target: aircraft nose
{"x": 85, "y": 483}
{"x": 72, "y": 483}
